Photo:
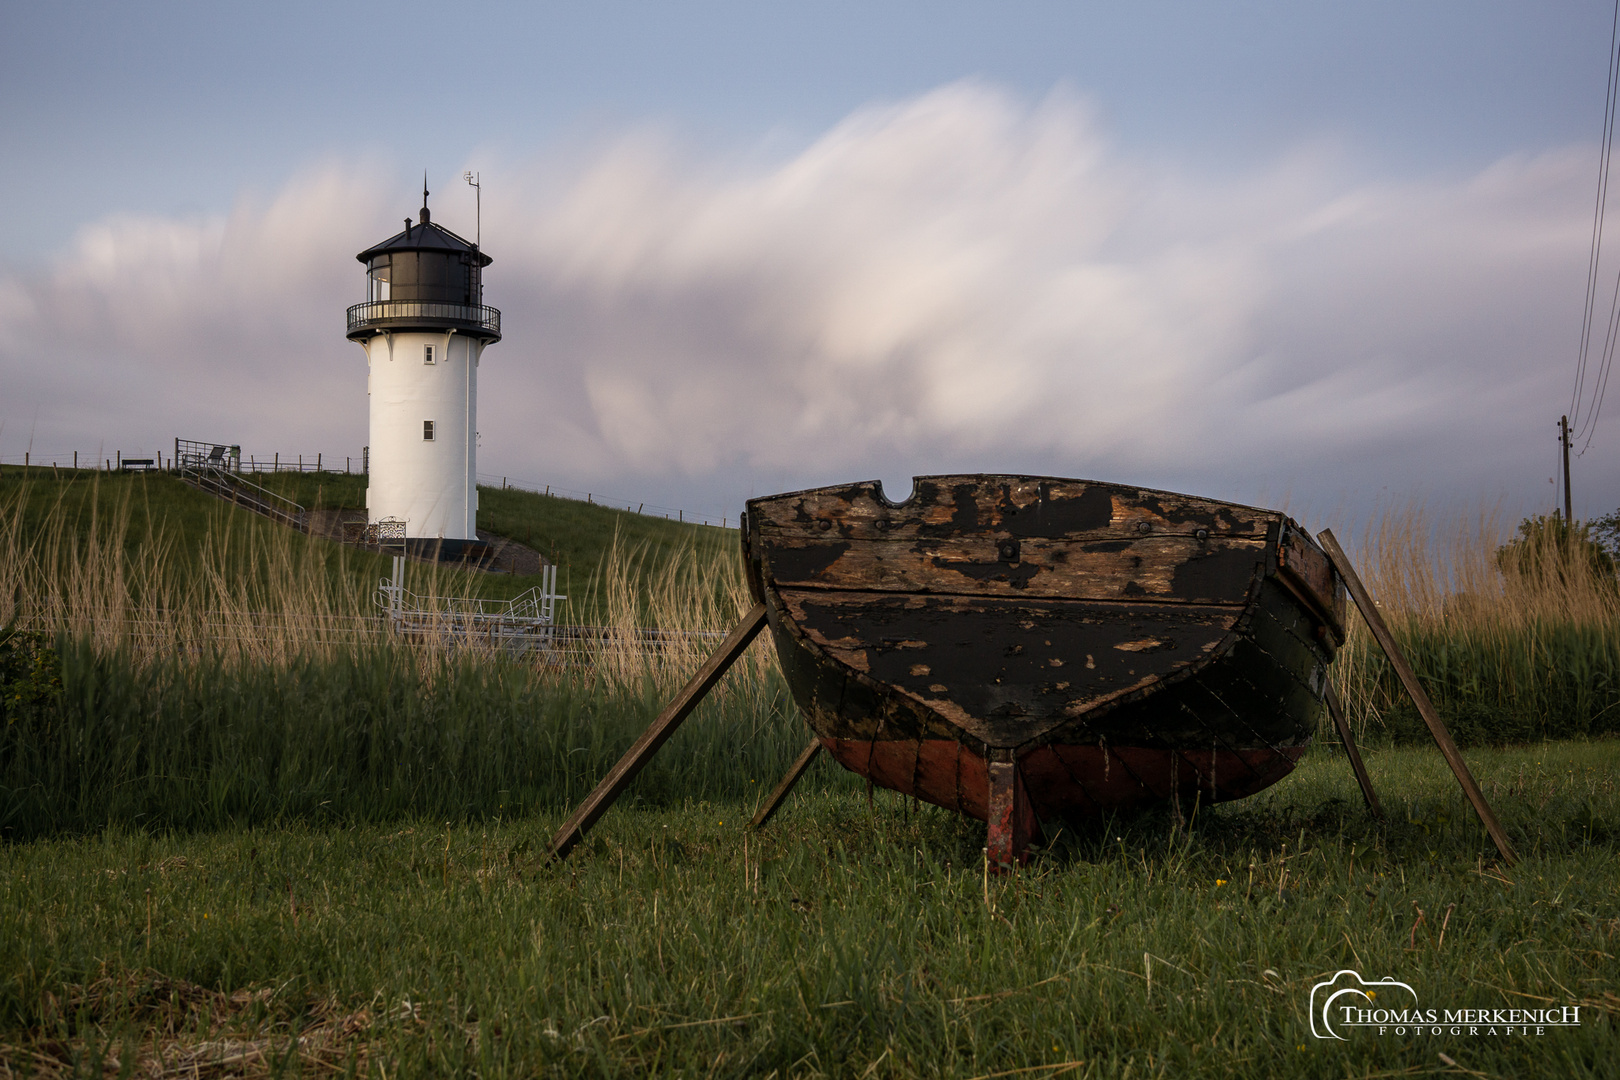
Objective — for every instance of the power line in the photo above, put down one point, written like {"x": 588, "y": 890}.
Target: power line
{"x": 1587, "y": 423}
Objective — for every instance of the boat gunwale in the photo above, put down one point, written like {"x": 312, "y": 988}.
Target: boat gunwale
{"x": 917, "y": 481}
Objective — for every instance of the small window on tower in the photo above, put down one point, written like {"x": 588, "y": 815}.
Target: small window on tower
{"x": 427, "y": 431}
{"x": 427, "y": 354}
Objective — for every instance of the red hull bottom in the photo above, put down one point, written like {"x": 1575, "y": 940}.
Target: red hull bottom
{"x": 1056, "y": 779}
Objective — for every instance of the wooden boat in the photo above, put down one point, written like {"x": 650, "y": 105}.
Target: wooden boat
{"x": 1018, "y": 648}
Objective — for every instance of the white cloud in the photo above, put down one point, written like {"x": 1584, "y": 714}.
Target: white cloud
{"x": 958, "y": 281}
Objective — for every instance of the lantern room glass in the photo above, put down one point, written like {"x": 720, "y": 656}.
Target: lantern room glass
{"x": 378, "y": 279}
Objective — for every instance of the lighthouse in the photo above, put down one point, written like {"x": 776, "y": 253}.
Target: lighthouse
{"x": 424, "y": 326}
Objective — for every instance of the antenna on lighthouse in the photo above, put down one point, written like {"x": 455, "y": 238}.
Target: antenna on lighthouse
{"x": 426, "y": 217}
{"x": 478, "y": 236}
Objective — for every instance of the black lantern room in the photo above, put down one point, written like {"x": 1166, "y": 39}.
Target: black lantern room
{"x": 425, "y": 278}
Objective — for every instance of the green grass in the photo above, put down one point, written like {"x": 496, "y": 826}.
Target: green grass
{"x": 577, "y": 536}
{"x": 1552, "y": 678}
{"x": 153, "y": 521}
{"x": 1522, "y": 654}
{"x": 325, "y": 490}
{"x": 148, "y": 515}
{"x": 364, "y": 734}
{"x": 850, "y": 939}
{"x": 573, "y": 534}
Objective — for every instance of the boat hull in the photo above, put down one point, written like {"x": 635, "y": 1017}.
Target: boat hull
{"x": 1019, "y": 648}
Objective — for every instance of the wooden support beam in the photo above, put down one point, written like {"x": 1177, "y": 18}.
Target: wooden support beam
{"x": 1349, "y": 741}
{"x": 657, "y": 733}
{"x": 796, "y": 770}
{"x": 1414, "y": 690}
{"x": 1012, "y": 824}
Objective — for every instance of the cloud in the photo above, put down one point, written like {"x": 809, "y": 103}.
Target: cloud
{"x": 962, "y": 280}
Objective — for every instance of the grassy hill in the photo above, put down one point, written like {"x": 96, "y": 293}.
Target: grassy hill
{"x": 138, "y": 515}
{"x": 576, "y": 536}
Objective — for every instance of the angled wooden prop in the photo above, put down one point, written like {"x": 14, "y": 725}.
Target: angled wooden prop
{"x": 1349, "y": 741}
{"x": 796, "y": 770}
{"x": 662, "y": 727}
{"x": 1414, "y": 689}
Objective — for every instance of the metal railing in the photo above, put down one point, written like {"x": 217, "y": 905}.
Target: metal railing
{"x": 190, "y": 454}
{"x": 380, "y": 311}
{"x": 525, "y": 621}
{"x": 382, "y": 534}
{"x": 525, "y": 624}
{"x": 214, "y": 468}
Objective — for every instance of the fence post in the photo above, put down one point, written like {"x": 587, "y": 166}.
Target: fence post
{"x": 120, "y": 458}
{"x": 318, "y": 461}
{"x": 278, "y": 462}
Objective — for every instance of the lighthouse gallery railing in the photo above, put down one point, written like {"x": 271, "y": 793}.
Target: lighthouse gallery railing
{"x": 386, "y": 310}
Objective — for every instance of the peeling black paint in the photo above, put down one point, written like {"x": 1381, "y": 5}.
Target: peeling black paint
{"x": 808, "y": 562}
{"x": 1224, "y": 572}
{"x": 1243, "y": 681}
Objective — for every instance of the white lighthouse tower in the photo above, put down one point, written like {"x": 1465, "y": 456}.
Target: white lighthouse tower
{"x": 424, "y": 326}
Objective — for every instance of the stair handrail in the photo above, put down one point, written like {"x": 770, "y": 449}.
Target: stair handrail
{"x": 216, "y": 465}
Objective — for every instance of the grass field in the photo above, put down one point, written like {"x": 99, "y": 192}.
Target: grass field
{"x": 92, "y": 552}
{"x": 1507, "y": 657}
{"x": 850, "y": 939}
{"x": 232, "y": 849}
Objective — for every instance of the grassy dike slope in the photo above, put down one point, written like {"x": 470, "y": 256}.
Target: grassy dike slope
{"x": 575, "y": 535}
{"x": 140, "y": 515}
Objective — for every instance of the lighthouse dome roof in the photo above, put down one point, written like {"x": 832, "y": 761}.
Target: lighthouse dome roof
{"x": 426, "y": 236}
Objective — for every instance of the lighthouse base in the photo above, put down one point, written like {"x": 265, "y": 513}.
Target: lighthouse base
{"x": 473, "y": 553}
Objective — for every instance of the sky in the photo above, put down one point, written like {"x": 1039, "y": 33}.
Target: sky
{"x": 1327, "y": 257}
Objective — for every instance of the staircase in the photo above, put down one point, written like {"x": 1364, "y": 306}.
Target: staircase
{"x": 211, "y": 467}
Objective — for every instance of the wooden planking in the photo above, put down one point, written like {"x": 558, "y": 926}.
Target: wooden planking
{"x": 1178, "y": 569}
{"x": 1005, "y": 672}
{"x": 1307, "y": 570}
{"x": 1016, "y": 507}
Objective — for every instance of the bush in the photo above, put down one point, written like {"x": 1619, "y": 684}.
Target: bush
{"x": 1549, "y": 549}
{"x": 30, "y": 674}
{"x": 1471, "y": 722}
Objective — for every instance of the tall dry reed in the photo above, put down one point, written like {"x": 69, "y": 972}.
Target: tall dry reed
{"x": 1507, "y": 652}
{"x": 102, "y": 565}
{"x": 701, "y": 590}
{"x": 223, "y": 668}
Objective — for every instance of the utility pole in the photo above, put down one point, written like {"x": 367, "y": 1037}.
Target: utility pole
{"x": 1563, "y": 438}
